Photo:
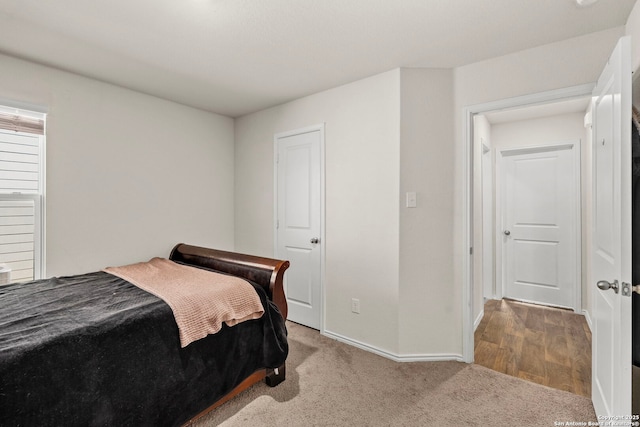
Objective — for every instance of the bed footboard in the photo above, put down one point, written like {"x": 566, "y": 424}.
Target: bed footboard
{"x": 266, "y": 272}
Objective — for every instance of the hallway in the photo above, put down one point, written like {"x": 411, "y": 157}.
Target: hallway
{"x": 546, "y": 345}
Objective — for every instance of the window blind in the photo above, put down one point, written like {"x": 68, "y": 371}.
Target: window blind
{"x": 20, "y": 123}
{"x": 18, "y": 235}
{"x": 19, "y": 162}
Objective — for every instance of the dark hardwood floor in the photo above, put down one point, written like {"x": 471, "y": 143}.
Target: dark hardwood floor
{"x": 549, "y": 346}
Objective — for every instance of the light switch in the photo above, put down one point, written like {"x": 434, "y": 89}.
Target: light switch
{"x": 412, "y": 200}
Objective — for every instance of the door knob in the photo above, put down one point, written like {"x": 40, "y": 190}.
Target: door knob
{"x": 315, "y": 240}
{"x": 507, "y": 232}
{"x": 606, "y": 285}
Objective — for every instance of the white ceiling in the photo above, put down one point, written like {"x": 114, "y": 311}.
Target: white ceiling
{"x": 238, "y": 56}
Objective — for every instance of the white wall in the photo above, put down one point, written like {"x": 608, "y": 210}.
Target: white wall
{"x": 426, "y": 248}
{"x": 558, "y": 65}
{"x": 385, "y": 135}
{"x": 538, "y": 131}
{"x": 127, "y": 175}
{"x": 362, "y": 158}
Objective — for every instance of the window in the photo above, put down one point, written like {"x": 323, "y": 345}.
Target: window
{"x": 21, "y": 194}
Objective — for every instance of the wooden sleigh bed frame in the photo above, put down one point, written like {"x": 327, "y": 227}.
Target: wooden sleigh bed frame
{"x": 93, "y": 349}
{"x": 266, "y": 272}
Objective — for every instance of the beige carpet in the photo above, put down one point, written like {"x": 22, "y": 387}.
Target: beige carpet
{"x": 333, "y": 384}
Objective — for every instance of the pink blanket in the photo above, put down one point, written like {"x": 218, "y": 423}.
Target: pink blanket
{"x": 201, "y": 300}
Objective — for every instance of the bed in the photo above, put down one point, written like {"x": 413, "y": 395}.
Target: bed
{"x": 93, "y": 349}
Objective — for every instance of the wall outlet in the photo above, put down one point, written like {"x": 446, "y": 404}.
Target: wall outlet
{"x": 355, "y": 305}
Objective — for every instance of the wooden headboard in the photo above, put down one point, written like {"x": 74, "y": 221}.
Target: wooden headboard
{"x": 266, "y": 272}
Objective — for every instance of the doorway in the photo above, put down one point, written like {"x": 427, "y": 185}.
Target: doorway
{"x": 518, "y": 130}
{"x": 538, "y": 256}
{"x": 487, "y": 118}
{"x": 611, "y": 153}
{"x": 546, "y": 145}
{"x": 299, "y": 219}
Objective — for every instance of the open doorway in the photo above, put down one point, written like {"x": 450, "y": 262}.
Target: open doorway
{"x": 530, "y": 166}
{"x": 532, "y": 335}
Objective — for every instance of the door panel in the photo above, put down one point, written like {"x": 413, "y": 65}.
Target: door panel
{"x": 299, "y": 288}
{"x": 603, "y": 156}
{"x": 539, "y": 253}
{"x": 611, "y": 244}
{"x": 298, "y": 176}
{"x": 539, "y": 233}
{"x": 297, "y": 160}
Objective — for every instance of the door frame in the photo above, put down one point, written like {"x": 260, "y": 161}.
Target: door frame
{"x": 313, "y": 128}
{"x": 488, "y": 223}
{"x": 564, "y": 94}
{"x": 499, "y": 213}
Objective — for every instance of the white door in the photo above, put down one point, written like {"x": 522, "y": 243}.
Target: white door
{"x": 611, "y": 240}
{"x": 539, "y": 226}
{"x": 298, "y": 221}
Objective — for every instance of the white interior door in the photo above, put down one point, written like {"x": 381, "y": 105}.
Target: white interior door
{"x": 611, "y": 240}
{"x": 539, "y": 226}
{"x": 298, "y": 221}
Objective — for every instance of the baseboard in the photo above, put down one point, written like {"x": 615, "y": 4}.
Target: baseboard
{"x": 478, "y": 320}
{"x": 587, "y": 317}
{"x": 392, "y": 356}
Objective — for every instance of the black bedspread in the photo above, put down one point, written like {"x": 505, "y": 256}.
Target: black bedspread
{"x": 94, "y": 350}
